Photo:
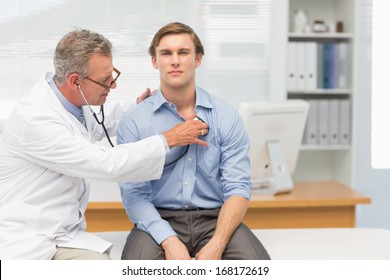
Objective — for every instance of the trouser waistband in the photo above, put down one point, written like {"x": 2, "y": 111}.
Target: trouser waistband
{"x": 188, "y": 210}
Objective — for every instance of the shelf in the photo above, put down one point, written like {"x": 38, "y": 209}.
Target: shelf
{"x": 322, "y": 91}
{"x": 325, "y": 148}
{"x": 320, "y": 35}
{"x": 330, "y": 106}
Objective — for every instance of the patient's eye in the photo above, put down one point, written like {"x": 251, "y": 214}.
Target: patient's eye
{"x": 165, "y": 53}
{"x": 184, "y": 52}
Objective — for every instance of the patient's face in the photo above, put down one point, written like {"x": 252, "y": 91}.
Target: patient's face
{"x": 176, "y": 60}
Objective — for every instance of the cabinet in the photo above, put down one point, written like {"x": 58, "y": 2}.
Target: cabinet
{"x": 320, "y": 70}
{"x": 308, "y": 205}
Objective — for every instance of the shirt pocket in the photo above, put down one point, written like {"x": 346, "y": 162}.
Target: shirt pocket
{"x": 208, "y": 160}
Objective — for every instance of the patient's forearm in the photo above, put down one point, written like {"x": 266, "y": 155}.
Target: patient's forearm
{"x": 231, "y": 215}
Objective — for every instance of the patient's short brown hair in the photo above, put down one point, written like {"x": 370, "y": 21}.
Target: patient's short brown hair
{"x": 175, "y": 28}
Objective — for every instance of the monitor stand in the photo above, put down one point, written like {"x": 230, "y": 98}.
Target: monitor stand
{"x": 281, "y": 178}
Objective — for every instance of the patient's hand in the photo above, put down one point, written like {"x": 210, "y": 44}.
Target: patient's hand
{"x": 175, "y": 249}
{"x": 211, "y": 251}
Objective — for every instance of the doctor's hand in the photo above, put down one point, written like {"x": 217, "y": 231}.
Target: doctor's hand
{"x": 175, "y": 249}
{"x": 186, "y": 133}
{"x": 145, "y": 95}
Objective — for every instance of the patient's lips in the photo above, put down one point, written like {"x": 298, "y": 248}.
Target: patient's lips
{"x": 175, "y": 72}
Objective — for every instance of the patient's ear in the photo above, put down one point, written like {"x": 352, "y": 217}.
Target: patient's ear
{"x": 154, "y": 62}
{"x": 198, "y": 60}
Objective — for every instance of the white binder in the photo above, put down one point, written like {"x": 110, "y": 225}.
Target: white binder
{"x": 334, "y": 119}
{"x": 292, "y": 66}
{"x": 345, "y": 121}
{"x": 342, "y": 65}
{"x": 301, "y": 65}
{"x": 311, "y": 65}
{"x": 323, "y": 128}
{"x": 310, "y": 136}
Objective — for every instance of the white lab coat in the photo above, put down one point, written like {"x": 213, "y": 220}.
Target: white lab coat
{"x": 45, "y": 154}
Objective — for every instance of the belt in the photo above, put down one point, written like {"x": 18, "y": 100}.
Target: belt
{"x": 187, "y": 210}
{"x": 196, "y": 209}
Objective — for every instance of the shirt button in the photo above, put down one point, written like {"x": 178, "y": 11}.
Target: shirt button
{"x": 186, "y": 183}
{"x": 185, "y": 206}
{"x": 189, "y": 159}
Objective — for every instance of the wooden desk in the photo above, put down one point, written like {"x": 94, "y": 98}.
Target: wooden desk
{"x": 308, "y": 205}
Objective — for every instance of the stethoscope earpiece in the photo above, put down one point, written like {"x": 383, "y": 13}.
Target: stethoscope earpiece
{"x": 94, "y": 115}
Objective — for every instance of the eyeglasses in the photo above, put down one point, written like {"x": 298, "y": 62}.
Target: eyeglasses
{"x": 107, "y": 87}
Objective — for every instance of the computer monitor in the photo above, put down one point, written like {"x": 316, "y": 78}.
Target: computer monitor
{"x": 275, "y": 131}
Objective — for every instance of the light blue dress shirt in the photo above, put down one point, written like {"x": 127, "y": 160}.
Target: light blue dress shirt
{"x": 203, "y": 178}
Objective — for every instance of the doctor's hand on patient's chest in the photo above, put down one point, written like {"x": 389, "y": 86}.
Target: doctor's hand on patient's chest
{"x": 186, "y": 133}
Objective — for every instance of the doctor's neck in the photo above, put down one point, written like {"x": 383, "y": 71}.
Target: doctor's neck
{"x": 70, "y": 93}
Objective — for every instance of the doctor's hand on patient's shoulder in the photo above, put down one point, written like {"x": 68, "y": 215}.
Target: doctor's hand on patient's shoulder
{"x": 145, "y": 95}
{"x": 186, "y": 133}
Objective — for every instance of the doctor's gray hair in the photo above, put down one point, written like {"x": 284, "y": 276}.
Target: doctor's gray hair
{"x": 75, "y": 49}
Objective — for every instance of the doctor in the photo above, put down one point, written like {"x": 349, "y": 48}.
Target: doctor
{"x": 47, "y": 153}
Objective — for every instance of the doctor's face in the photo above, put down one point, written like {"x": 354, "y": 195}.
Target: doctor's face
{"x": 176, "y": 60}
{"x": 101, "y": 79}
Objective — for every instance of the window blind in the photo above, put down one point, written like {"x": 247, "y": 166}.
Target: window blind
{"x": 236, "y": 36}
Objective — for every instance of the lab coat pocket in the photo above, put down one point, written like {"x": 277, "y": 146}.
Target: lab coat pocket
{"x": 19, "y": 217}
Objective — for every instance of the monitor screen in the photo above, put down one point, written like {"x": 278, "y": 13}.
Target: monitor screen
{"x": 275, "y": 131}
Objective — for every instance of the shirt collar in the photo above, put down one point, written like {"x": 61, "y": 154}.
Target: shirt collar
{"x": 202, "y": 99}
{"x": 70, "y": 107}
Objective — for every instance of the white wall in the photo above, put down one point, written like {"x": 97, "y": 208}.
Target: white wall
{"x": 373, "y": 182}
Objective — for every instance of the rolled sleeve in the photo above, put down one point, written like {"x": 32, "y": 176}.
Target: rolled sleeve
{"x": 235, "y": 163}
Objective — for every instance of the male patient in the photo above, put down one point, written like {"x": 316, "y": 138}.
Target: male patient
{"x": 196, "y": 209}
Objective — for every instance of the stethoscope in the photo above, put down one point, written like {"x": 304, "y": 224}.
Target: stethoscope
{"x": 95, "y": 116}
{"x": 108, "y": 137}
{"x": 185, "y": 150}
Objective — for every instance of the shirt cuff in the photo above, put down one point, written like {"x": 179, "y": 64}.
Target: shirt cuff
{"x": 161, "y": 231}
{"x": 167, "y": 149}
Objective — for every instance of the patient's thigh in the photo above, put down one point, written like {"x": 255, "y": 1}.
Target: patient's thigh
{"x": 244, "y": 245}
{"x": 141, "y": 246}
